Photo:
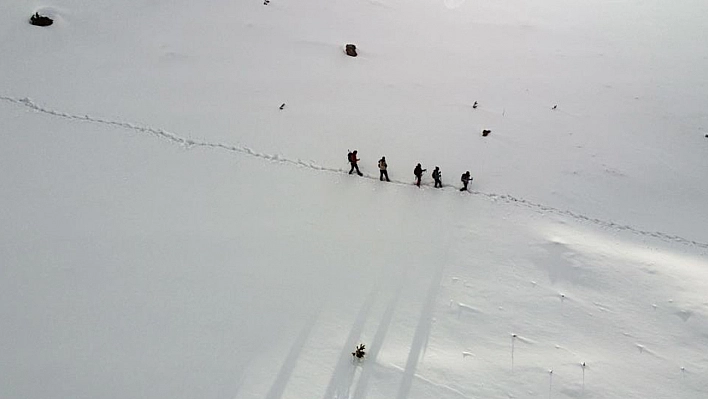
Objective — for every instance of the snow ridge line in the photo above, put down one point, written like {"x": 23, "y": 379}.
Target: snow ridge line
{"x": 189, "y": 143}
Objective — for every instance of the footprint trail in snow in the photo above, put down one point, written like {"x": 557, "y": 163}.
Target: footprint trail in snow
{"x": 190, "y": 143}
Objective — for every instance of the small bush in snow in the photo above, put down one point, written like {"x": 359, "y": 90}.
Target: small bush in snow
{"x": 359, "y": 353}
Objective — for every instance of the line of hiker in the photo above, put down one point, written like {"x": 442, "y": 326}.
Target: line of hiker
{"x": 417, "y": 172}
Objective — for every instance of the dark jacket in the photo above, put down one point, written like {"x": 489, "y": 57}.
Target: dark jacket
{"x": 418, "y": 171}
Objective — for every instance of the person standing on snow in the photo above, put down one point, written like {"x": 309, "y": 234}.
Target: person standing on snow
{"x": 418, "y": 172}
{"x": 437, "y": 176}
{"x": 353, "y": 161}
{"x": 466, "y": 178}
{"x": 382, "y": 169}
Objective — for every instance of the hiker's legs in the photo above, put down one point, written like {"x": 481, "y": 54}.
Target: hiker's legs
{"x": 352, "y": 169}
{"x": 385, "y": 173}
{"x": 357, "y": 170}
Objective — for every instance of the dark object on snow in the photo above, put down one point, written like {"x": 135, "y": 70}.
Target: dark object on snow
{"x": 359, "y": 353}
{"x": 474, "y": 105}
{"x": 554, "y": 107}
{"x": 383, "y": 166}
{"x": 265, "y": 2}
{"x": 282, "y": 105}
{"x": 418, "y": 172}
{"x": 486, "y": 132}
{"x": 707, "y": 136}
{"x": 40, "y": 20}
{"x": 437, "y": 176}
{"x": 351, "y": 50}
{"x": 353, "y": 161}
{"x": 466, "y": 178}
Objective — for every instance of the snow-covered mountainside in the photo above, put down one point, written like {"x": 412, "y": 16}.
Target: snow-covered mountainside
{"x": 167, "y": 231}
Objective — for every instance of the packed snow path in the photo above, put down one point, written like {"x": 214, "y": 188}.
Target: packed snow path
{"x": 189, "y": 143}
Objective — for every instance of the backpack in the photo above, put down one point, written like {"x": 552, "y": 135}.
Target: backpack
{"x": 436, "y": 174}
{"x": 350, "y": 157}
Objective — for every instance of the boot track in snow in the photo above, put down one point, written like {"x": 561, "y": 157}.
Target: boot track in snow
{"x": 190, "y": 143}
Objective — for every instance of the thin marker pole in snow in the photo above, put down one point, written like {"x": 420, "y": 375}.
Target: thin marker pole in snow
{"x": 583, "y": 366}
{"x": 550, "y": 382}
{"x": 513, "y": 338}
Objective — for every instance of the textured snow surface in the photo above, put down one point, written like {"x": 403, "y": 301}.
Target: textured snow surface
{"x": 166, "y": 231}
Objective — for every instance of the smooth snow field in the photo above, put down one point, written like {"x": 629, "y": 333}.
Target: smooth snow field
{"x": 166, "y": 231}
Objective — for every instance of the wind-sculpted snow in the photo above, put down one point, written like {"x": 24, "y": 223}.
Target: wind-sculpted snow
{"x": 191, "y": 143}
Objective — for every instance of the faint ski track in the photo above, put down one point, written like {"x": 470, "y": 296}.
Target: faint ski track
{"x": 429, "y": 382}
{"x": 189, "y": 143}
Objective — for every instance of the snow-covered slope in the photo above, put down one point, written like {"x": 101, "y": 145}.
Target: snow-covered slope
{"x": 167, "y": 231}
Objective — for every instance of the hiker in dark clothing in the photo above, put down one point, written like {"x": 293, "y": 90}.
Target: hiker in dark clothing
{"x": 418, "y": 172}
{"x": 466, "y": 178}
{"x": 382, "y": 169}
{"x": 353, "y": 161}
{"x": 437, "y": 176}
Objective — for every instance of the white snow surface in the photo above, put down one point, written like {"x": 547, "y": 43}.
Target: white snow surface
{"x": 166, "y": 231}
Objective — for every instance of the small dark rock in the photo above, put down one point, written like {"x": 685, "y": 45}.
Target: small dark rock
{"x": 282, "y": 106}
{"x": 40, "y": 20}
{"x": 707, "y": 136}
{"x": 351, "y": 50}
{"x": 486, "y": 132}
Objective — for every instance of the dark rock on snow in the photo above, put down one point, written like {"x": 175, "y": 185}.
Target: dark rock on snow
{"x": 351, "y": 50}
{"x": 40, "y": 20}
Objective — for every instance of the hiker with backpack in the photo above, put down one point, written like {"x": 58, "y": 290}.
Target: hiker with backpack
{"x": 382, "y": 169}
{"x": 353, "y": 161}
{"x": 437, "y": 176}
{"x": 466, "y": 178}
{"x": 418, "y": 172}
